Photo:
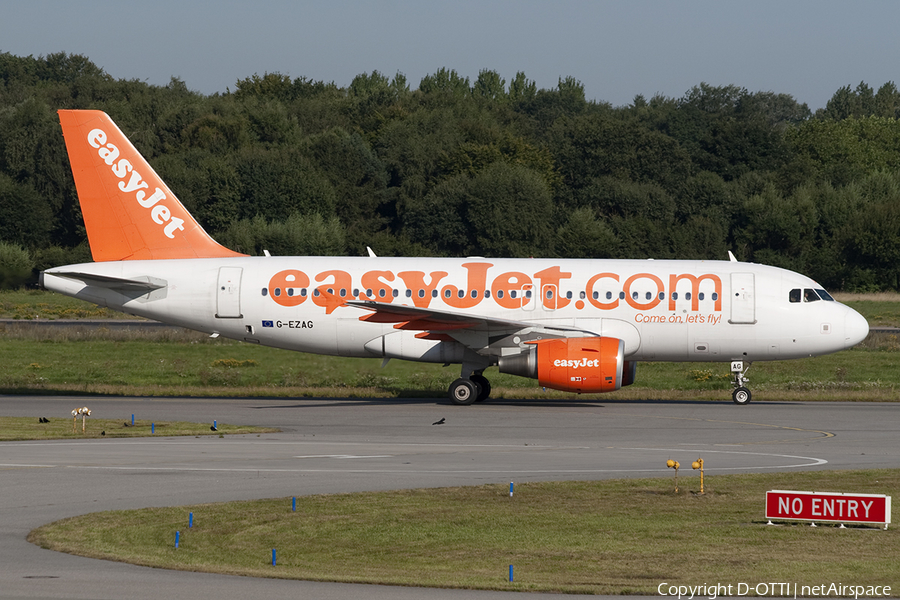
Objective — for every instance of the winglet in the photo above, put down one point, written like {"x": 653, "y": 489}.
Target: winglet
{"x": 731, "y": 257}
{"x": 129, "y": 212}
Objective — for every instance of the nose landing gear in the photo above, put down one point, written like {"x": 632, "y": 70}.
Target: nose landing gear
{"x": 740, "y": 395}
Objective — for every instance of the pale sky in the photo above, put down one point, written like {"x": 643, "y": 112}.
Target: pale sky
{"x": 805, "y": 48}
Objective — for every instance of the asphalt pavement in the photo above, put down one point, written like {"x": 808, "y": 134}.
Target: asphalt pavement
{"x": 344, "y": 445}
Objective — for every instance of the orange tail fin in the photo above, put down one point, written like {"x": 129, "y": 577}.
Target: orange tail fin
{"x": 129, "y": 213}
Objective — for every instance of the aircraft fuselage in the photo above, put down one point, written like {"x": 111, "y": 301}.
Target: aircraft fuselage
{"x": 706, "y": 311}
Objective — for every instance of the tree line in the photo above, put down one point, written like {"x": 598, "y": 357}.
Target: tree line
{"x": 455, "y": 167}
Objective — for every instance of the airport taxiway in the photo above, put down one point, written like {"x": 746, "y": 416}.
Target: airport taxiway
{"x": 343, "y": 445}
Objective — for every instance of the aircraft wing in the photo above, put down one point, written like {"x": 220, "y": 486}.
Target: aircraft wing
{"x": 415, "y": 318}
{"x": 472, "y": 330}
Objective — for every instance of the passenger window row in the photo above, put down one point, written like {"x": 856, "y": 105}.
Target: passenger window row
{"x": 382, "y": 293}
{"x": 662, "y": 295}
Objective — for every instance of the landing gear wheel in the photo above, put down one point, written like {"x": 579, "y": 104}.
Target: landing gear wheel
{"x": 484, "y": 385}
{"x": 477, "y": 390}
{"x": 741, "y": 396}
{"x": 463, "y": 391}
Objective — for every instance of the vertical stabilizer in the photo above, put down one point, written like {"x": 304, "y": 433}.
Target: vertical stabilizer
{"x": 129, "y": 212}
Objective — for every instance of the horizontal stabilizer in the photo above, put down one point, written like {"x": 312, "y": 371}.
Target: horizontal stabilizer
{"x": 119, "y": 284}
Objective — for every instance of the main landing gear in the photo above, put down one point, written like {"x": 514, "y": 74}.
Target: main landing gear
{"x": 740, "y": 395}
{"x": 475, "y": 388}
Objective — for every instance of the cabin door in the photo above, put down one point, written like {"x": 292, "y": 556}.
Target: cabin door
{"x": 228, "y": 293}
{"x": 743, "y": 299}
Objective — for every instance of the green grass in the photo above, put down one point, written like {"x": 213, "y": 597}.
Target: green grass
{"x": 605, "y": 537}
{"x": 197, "y": 365}
{"x": 880, "y": 310}
{"x": 878, "y": 313}
{"x": 28, "y": 428}
{"x": 175, "y": 363}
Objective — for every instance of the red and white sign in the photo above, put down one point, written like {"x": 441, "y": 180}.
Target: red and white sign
{"x": 828, "y": 507}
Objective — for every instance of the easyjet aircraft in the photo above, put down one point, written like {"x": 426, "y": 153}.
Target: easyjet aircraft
{"x": 574, "y": 325}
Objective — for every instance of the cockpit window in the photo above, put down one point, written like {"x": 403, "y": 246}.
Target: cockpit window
{"x": 809, "y": 295}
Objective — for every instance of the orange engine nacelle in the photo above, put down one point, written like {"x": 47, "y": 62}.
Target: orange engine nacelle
{"x": 582, "y": 365}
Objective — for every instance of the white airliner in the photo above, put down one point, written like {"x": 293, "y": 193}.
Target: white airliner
{"x": 574, "y": 325}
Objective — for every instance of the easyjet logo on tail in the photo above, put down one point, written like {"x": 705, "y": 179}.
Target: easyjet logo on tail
{"x": 133, "y": 183}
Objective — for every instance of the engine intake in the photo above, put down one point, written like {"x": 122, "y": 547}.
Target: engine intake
{"x": 582, "y": 365}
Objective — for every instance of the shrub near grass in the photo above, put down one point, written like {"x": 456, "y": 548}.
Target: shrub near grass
{"x": 28, "y": 304}
{"x": 15, "y": 265}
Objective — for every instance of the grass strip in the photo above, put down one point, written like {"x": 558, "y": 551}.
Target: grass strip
{"x": 599, "y": 537}
{"x": 29, "y": 304}
{"x": 193, "y": 365}
{"x": 29, "y": 428}
{"x": 78, "y": 359}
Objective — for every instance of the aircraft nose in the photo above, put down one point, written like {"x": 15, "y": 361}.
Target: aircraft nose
{"x": 856, "y": 328}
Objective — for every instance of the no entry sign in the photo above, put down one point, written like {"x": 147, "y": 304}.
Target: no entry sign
{"x": 828, "y": 507}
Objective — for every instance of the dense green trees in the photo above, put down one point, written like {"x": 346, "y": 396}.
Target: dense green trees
{"x": 488, "y": 167}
